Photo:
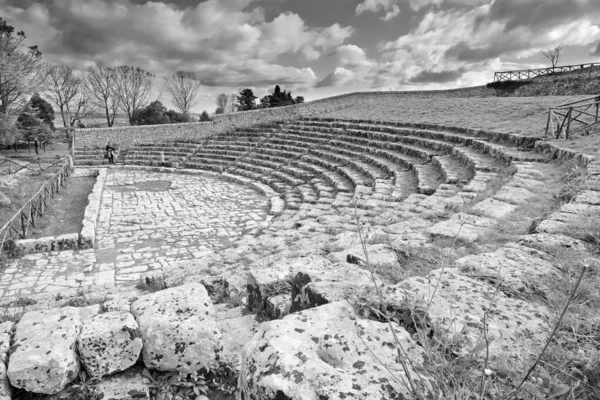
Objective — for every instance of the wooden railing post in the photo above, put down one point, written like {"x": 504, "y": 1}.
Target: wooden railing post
{"x": 568, "y": 122}
{"x": 548, "y": 120}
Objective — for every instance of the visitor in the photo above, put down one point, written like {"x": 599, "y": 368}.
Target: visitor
{"x": 162, "y": 159}
{"x": 110, "y": 153}
{"x": 36, "y": 146}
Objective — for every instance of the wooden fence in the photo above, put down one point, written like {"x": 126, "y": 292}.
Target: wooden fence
{"x": 18, "y": 226}
{"x": 573, "y": 118}
{"x": 526, "y": 74}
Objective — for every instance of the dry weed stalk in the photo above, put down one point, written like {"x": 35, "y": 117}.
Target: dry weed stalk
{"x": 405, "y": 361}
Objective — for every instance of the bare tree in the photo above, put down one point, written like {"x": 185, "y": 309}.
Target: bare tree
{"x": 21, "y": 70}
{"x": 68, "y": 89}
{"x": 225, "y": 103}
{"x": 62, "y": 86}
{"x": 82, "y": 106}
{"x": 101, "y": 84}
{"x": 183, "y": 88}
{"x": 553, "y": 54}
{"x": 133, "y": 88}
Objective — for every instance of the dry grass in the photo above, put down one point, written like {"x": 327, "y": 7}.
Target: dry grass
{"x": 520, "y": 115}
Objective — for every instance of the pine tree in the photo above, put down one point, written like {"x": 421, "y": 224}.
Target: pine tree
{"x": 246, "y": 100}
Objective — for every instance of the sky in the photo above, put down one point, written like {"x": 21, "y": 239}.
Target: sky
{"x": 313, "y": 48}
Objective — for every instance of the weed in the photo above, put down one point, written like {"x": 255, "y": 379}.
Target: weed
{"x": 83, "y": 389}
{"x": 22, "y": 302}
{"x": 151, "y": 283}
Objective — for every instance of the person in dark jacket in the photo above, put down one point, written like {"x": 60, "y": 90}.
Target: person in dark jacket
{"x": 110, "y": 150}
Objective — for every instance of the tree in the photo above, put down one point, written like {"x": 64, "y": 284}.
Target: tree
{"x": 277, "y": 99}
{"x": 183, "y": 88}
{"x": 44, "y": 110}
{"x": 265, "y": 102}
{"x": 32, "y": 126}
{"x": 21, "y": 70}
{"x": 133, "y": 87}
{"x": 299, "y": 100}
{"x": 69, "y": 91}
{"x": 553, "y": 54}
{"x": 176, "y": 117}
{"x": 204, "y": 117}
{"x": 225, "y": 103}
{"x": 9, "y": 132}
{"x": 246, "y": 100}
{"x": 152, "y": 114}
{"x": 101, "y": 82}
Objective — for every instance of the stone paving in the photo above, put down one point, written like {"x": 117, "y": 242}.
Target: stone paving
{"x": 147, "y": 220}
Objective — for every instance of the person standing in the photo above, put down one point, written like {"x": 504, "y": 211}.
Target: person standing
{"x": 36, "y": 146}
{"x": 110, "y": 152}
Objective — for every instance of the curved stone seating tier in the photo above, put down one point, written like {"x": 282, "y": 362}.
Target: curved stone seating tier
{"x": 310, "y": 159}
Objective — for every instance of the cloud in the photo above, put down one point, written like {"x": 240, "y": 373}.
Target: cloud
{"x": 225, "y": 41}
{"x": 393, "y": 13}
{"x": 374, "y": 6}
{"x": 437, "y": 77}
{"x": 530, "y": 14}
{"x": 596, "y": 51}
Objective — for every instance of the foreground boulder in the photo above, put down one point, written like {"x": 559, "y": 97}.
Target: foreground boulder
{"x": 5, "y": 330}
{"x": 178, "y": 328}
{"x": 109, "y": 342}
{"x": 321, "y": 353}
{"x": 457, "y": 305}
{"x": 43, "y": 357}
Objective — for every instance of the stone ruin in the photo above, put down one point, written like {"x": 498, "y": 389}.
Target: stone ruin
{"x": 283, "y": 300}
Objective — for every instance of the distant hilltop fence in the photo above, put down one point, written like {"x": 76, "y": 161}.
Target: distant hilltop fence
{"x": 126, "y": 136}
{"x": 526, "y": 74}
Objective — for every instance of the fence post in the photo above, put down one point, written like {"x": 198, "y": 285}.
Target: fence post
{"x": 568, "y": 122}
{"x": 548, "y": 121}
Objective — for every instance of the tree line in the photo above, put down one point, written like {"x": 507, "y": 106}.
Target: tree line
{"x": 75, "y": 95}
{"x": 78, "y": 94}
{"x": 246, "y": 100}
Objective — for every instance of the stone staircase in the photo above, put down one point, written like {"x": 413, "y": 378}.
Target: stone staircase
{"x": 405, "y": 186}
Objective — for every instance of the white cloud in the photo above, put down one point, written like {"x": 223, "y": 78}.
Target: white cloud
{"x": 375, "y": 6}
{"x": 393, "y": 13}
{"x": 223, "y": 37}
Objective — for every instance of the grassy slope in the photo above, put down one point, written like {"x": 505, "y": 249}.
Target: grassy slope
{"x": 520, "y": 115}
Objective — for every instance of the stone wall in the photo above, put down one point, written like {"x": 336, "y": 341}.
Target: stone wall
{"x": 126, "y": 136}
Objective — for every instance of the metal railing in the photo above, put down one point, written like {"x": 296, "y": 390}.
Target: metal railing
{"x": 573, "y": 118}
{"x": 18, "y": 225}
{"x": 526, "y": 74}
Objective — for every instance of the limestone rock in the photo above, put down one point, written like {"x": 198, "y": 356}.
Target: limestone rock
{"x": 178, "y": 328}
{"x": 266, "y": 283}
{"x": 321, "y": 354}
{"x": 4, "y": 200}
{"x": 5, "y": 330}
{"x": 318, "y": 281}
{"x": 128, "y": 385}
{"x": 515, "y": 328}
{"x": 43, "y": 357}
{"x": 514, "y": 270}
{"x": 109, "y": 342}
{"x": 493, "y": 208}
{"x": 545, "y": 240}
{"x": 236, "y": 329}
{"x": 465, "y": 227}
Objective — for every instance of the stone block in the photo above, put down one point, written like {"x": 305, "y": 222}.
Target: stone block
{"x": 321, "y": 353}
{"x": 109, "y": 342}
{"x": 43, "y": 357}
{"x": 178, "y": 328}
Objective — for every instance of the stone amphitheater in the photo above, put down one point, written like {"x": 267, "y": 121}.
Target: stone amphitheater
{"x": 275, "y": 242}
